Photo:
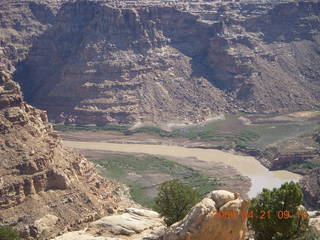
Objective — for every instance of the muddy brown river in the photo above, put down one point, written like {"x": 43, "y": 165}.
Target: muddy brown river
{"x": 260, "y": 176}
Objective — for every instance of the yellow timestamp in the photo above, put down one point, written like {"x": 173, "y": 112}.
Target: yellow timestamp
{"x": 263, "y": 214}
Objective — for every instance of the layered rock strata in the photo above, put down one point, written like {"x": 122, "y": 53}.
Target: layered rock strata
{"x": 124, "y": 62}
{"x": 44, "y": 188}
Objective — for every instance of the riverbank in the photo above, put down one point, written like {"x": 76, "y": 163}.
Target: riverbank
{"x": 143, "y": 173}
{"x": 260, "y": 176}
{"x": 278, "y": 142}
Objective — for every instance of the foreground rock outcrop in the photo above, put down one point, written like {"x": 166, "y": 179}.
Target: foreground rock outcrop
{"x": 220, "y": 216}
{"x": 44, "y": 188}
{"x": 134, "y": 223}
{"x": 205, "y": 221}
{"x": 108, "y": 62}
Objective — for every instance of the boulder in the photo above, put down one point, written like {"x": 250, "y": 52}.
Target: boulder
{"x": 220, "y": 197}
{"x": 205, "y": 222}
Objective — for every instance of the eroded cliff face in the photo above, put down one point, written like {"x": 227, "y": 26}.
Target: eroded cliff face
{"x": 270, "y": 61}
{"x": 44, "y": 188}
{"x": 116, "y": 65}
{"x": 121, "y": 62}
{"x": 20, "y": 24}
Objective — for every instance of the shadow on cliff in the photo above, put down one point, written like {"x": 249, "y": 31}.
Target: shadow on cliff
{"x": 42, "y": 69}
{"x": 83, "y": 23}
{"x": 192, "y": 37}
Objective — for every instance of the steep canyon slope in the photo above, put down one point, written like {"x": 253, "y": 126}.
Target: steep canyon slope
{"x": 44, "y": 188}
{"x": 47, "y": 190}
{"x": 123, "y": 62}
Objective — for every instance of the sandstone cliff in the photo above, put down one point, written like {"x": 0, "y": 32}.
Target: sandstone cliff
{"x": 123, "y": 62}
{"x": 44, "y": 188}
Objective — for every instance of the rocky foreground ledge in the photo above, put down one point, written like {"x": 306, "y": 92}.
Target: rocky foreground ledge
{"x": 202, "y": 222}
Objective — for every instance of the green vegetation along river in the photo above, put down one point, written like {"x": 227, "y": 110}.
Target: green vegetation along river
{"x": 260, "y": 176}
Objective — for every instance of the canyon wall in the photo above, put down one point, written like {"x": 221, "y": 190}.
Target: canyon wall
{"x": 45, "y": 189}
{"x": 124, "y": 62}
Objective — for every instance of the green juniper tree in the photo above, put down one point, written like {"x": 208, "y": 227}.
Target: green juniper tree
{"x": 276, "y": 215}
{"x": 175, "y": 200}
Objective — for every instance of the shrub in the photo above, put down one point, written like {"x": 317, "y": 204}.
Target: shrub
{"x": 279, "y": 203}
{"x": 175, "y": 200}
{"x": 9, "y": 233}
